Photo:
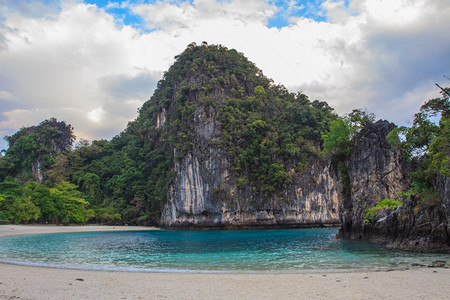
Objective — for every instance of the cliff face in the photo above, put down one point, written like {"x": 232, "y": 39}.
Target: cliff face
{"x": 204, "y": 194}
{"x": 205, "y": 190}
{"x": 376, "y": 172}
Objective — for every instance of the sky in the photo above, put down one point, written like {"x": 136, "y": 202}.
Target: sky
{"x": 93, "y": 63}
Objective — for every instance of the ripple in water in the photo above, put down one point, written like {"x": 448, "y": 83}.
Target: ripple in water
{"x": 288, "y": 250}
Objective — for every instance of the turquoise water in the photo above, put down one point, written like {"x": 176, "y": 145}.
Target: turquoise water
{"x": 288, "y": 250}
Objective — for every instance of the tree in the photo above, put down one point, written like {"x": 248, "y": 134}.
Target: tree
{"x": 24, "y": 210}
{"x": 338, "y": 140}
{"x": 427, "y": 146}
{"x": 41, "y": 197}
{"x": 359, "y": 117}
{"x": 5, "y": 215}
{"x": 440, "y": 149}
{"x": 90, "y": 186}
{"x": 71, "y": 206}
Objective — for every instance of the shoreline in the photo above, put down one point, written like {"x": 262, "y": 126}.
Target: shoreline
{"x": 43, "y": 282}
{"x": 188, "y": 271}
{"x": 11, "y": 230}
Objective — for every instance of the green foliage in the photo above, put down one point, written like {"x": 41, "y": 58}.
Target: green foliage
{"x": 426, "y": 146}
{"x": 35, "y": 145}
{"x": 30, "y": 202}
{"x": 108, "y": 215}
{"x": 89, "y": 184}
{"x": 440, "y": 149}
{"x": 393, "y": 137}
{"x": 263, "y": 137}
{"x": 259, "y": 92}
{"x": 338, "y": 140}
{"x": 72, "y": 208}
{"x": 358, "y": 118}
{"x": 24, "y": 210}
{"x": 241, "y": 183}
{"x": 385, "y": 204}
{"x": 345, "y": 178}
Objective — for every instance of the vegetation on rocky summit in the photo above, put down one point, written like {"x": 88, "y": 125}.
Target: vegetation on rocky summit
{"x": 35, "y": 146}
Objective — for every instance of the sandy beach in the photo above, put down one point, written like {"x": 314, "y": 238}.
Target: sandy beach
{"x": 28, "y": 282}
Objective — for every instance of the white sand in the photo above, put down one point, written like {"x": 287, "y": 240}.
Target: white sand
{"x": 7, "y": 230}
{"x": 26, "y": 282}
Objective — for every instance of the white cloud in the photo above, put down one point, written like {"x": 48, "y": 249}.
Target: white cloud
{"x": 169, "y": 17}
{"x": 337, "y": 12}
{"x": 60, "y": 65}
{"x": 386, "y": 50}
{"x": 72, "y": 61}
{"x": 7, "y": 96}
{"x": 166, "y": 16}
{"x": 18, "y": 118}
{"x": 96, "y": 115}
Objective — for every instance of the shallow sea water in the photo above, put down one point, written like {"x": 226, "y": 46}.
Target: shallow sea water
{"x": 281, "y": 250}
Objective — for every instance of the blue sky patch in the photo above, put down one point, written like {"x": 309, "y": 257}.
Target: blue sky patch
{"x": 287, "y": 10}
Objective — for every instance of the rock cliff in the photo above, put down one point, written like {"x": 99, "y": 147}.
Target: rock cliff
{"x": 203, "y": 194}
{"x": 413, "y": 227}
{"x": 240, "y": 151}
{"x": 376, "y": 172}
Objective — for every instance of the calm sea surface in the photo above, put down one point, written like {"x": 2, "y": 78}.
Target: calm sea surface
{"x": 287, "y": 250}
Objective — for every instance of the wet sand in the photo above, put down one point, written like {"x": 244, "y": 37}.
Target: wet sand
{"x": 28, "y": 282}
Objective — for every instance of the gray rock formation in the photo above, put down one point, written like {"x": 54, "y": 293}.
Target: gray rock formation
{"x": 413, "y": 227}
{"x": 203, "y": 194}
{"x": 377, "y": 172}
{"x": 206, "y": 190}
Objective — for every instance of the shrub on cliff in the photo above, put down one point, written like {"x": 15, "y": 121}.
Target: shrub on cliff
{"x": 387, "y": 205}
{"x": 338, "y": 139}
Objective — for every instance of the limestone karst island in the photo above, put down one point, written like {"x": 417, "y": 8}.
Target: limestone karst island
{"x": 219, "y": 145}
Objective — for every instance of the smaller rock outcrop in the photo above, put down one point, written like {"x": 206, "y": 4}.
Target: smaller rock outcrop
{"x": 376, "y": 171}
{"x": 413, "y": 227}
